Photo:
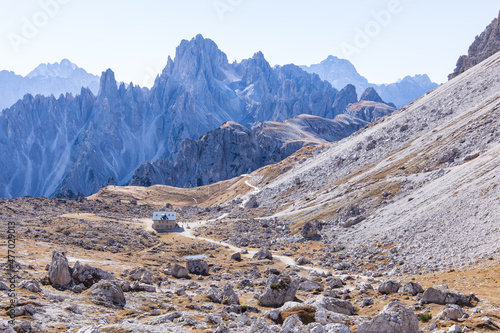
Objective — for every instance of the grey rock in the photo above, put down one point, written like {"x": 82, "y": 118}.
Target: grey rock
{"x": 337, "y": 328}
{"x": 6, "y": 328}
{"x": 197, "y": 267}
{"x": 441, "y": 295}
{"x": 278, "y": 291}
{"x": 180, "y": 272}
{"x": 33, "y": 286}
{"x": 389, "y": 287}
{"x": 137, "y": 286}
{"x": 228, "y": 295}
{"x": 394, "y": 318}
{"x": 309, "y": 230}
{"x": 302, "y": 261}
{"x": 142, "y": 275}
{"x": 335, "y": 283}
{"x": 3, "y": 286}
{"x": 75, "y": 309}
{"x": 89, "y": 329}
{"x": 59, "y": 273}
{"x": 311, "y": 286}
{"x": 263, "y": 254}
{"x": 291, "y": 323}
{"x": 332, "y": 304}
{"x": 412, "y": 288}
{"x": 107, "y": 293}
{"x": 88, "y": 275}
{"x": 451, "y": 312}
{"x": 236, "y": 256}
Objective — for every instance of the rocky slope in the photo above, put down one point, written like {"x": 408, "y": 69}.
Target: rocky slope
{"x": 485, "y": 45}
{"x": 340, "y": 72}
{"x": 47, "y": 79}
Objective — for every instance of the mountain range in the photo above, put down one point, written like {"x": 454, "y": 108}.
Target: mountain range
{"x": 62, "y": 146}
{"x": 47, "y": 79}
{"x": 340, "y": 72}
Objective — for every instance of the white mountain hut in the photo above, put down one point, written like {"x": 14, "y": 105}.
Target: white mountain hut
{"x": 164, "y": 221}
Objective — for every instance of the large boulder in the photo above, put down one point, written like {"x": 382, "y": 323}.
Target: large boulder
{"x": 332, "y": 304}
{"x": 88, "y": 275}
{"x": 180, "y": 272}
{"x": 441, "y": 295}
{"x": 394, "y": 318}
{"x": 229, "y": 297}
{"x": 142, "y": 275}
{"x": 309, "y": 285}
{"x": 309, "y": 230}
{"x": 389, "y": 287}
{"x": 197, "y": 267}
{"x": 451, "y": 312}
{"x": 59, "y": 273}
{"x": 262, "y": 254}
{"x": 107, "y": 293}
{"x": 278, "y": 291}
{"x": 412, "y": 288}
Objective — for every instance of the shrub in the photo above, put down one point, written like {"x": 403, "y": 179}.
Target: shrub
{"x": 424, "y": 317}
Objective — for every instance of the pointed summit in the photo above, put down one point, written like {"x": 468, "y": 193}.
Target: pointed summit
{"x": 108, "y": 83}
{"x": 370, "y": 94}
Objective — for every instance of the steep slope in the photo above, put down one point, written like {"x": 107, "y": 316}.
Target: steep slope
{"x": 340, "y": 72}
{"x": 415, "y": 180}
{"x": 47, "y": 79}
{"x": 484, "y": 46}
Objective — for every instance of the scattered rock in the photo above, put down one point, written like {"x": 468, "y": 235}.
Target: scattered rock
{"x": 451, "y": 312}
{"x": 441, "y": 295}
{"x": 33, "y": 286}
{"x": 88, "y": 275}
{"x": 333, "y": 304}
{"x": 411, "y": 288}
{"x": 309, "y": 230}
{"x": 236, "y": 256}
{"x": 302, "y": 261}
{"x": 228, "y": 296}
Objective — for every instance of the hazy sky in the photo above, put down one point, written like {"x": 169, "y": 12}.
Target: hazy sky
{"x": 384, "y": 39}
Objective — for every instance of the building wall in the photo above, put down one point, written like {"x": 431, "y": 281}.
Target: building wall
{"x": 163, "y": 225}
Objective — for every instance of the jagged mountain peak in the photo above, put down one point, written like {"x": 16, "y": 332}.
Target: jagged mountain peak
{"x": 371, "y": 95}
{"x": 63, "y": 69}
{"x": 108, "y": 84}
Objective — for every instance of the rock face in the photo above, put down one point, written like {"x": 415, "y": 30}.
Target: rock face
{"x": 485, "y": 45}
{"x": 59, "y": 273}
{"x": 371, "y": 95}
{"x": 278, "y": 291}
{"x": 394, "y": 318}
{"x": 107, "y": 293}
{"x": 232, "y": 149}
{"x": 197, "y": 267}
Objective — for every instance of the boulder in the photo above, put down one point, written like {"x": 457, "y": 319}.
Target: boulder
{"x": 309, "y": 230}
{"x": 441, "y": 295}
{"x": 59, "y": 273}
{"x": 451, "y": 312}
{"x": 252, "y": 202}
{"x": 88, "y": 275}
{"x": 411, "y": 288}
{"x": 3, "y": 286}
{"x": 337, "y": 328}
{"x": 107, "y": 293}
{"x": 137, "y": 286}
{"x": 214, "y": 295}
{"x": 197, "y": 267}
{"x": 311, "y": 286}
{"x": 6, "y": 328}
{"x": 263, "y": 254}
{"x": 278, "y": 291}
{"x": 142, "y": 275}
{"x": 33, "y": 286}
{"x": 236, "y": 256}
{"x": 389, "y": 287}
{"x": 335, "y": 283}
{"x": 291, "y": 323}
{"x": 302, "y": 261}
{"x": 229, "y": 297}
{"x": 180, "y": 272}
{"x": 332, "y": 304}
{"x": 394, "y": 318}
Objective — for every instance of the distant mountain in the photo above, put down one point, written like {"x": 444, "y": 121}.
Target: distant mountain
{"x": 46, "y": 79}
{"x": 340, "y": 72}
{"x": 62, "y": 146}
{"x": 484, "y": 46}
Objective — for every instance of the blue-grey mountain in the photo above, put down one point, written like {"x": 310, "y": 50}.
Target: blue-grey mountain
{"x": 340, "y": 72}
{"x": 47, "y": 79}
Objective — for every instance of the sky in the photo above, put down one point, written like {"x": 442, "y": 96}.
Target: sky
{"x": 384, "y": 39}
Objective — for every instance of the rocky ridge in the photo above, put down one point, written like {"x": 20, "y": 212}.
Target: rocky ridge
{"x": 485, "y": 45}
